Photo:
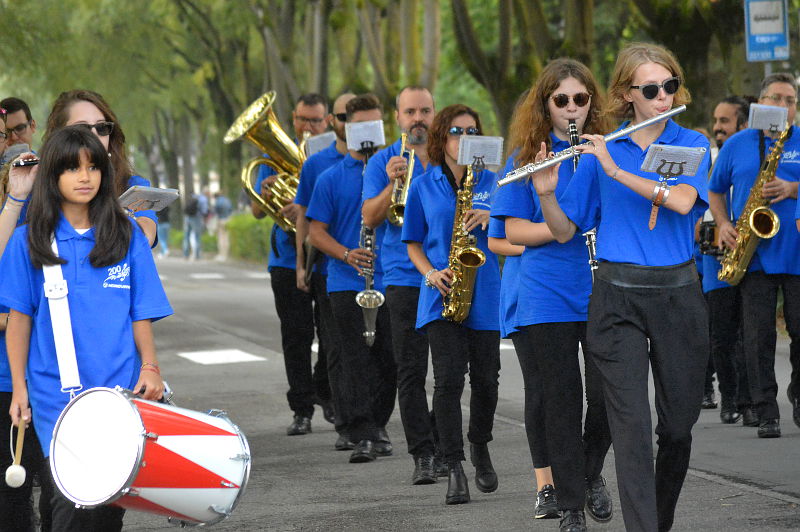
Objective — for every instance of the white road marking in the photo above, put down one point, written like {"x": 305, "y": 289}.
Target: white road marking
{"x": 206, "y": 276}
{"x": 257, "y": 275}
{"x": 223, "y": 356}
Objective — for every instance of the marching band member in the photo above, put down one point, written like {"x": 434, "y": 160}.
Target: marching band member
{"x": 312, "y": 169}
{"x": 456, "y": 348}
{"x": 118, "y": 296}
{"x": 294, "y": 306}
{"x": 554, "y": 287}
{"x": 776, "y": 261}
{"x": 414, "y": 115}
{"x": 646, "y": 286}
{"x": 335, "y": 226}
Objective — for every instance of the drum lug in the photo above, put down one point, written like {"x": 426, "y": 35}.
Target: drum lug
{"x": 130, "y": 492}
{"x": 151, "y": 435}
{"x": 241, "y": 457}
{"x": 226, "y": 484}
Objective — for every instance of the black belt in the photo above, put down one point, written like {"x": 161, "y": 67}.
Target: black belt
{"x": 636, "y": 276}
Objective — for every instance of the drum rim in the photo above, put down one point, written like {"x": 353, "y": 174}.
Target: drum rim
{"x": 127, "y": 395}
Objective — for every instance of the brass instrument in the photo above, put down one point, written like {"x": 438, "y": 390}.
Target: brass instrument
{"x": 757, "y": 221}
{"x": 369, "y": 299}
{"x": 465, "y": 257}
{"x": 397, "y": 205}
{"x": 259, "y": 125}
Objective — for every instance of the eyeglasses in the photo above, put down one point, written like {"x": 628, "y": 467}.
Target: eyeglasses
{"x": 341, "y": 117}
{"x": 18, "y": 129}
{"x": 580, "y": 99}
{"x": 3, "y": 135}
{"x": 650, "y": 91}
{"x": 103, "y": 129}
{"x": 777, "y": 98}
{"x": 312, "y": 121}
{"x": 458, "y": 130}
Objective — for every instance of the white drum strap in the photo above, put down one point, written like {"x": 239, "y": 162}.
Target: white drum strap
{"x": 55, "y": 290}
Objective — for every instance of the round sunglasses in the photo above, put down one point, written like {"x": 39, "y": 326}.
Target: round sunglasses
{"x": 580, "y": 99}
{"x": 103, "y": 129}
{"x": 458, "y": 130}
{"x": 650, "y": 90}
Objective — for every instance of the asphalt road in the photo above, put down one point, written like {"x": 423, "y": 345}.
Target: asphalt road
{"x": 736, "y": 481}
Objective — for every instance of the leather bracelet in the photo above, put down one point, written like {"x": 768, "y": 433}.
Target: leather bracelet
{"x": 428, "y": 282}
{"x": 346, "y": 254}
{"x": 660, "y": 194}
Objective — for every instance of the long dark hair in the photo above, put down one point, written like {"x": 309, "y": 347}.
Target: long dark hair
{"x": 437, "y": 136}
{"x": 59, "y": 115}
{"x": 112, "y": 227}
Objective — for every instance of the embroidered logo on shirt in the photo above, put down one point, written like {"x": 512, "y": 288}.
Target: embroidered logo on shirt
{"x": 118, "y": 273}
{"x": 791, "y": 156}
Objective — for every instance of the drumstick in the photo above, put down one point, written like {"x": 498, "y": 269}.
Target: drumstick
{"x": 15, "y": 474}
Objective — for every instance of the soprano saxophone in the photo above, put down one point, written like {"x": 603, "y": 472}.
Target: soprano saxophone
{"x": 757, "y": 221}
{"x": 465, "y": 257}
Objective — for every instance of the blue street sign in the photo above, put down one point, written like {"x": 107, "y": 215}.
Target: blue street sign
{"x": 767, "y": 28}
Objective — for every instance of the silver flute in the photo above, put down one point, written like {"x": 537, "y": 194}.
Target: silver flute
{"x": 524, "y": 171}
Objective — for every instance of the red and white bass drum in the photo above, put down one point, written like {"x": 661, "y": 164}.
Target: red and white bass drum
{"x": 112, "y": 447}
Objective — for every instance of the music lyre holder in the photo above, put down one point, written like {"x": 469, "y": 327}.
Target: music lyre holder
{"x": 477, "y": 163}
{"x": 670, "y": 162}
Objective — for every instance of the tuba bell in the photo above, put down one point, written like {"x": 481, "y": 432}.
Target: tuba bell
{"x": 259, "y": 125}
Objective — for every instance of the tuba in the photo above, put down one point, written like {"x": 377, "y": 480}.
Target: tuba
{"x": 757, "y": 221}
{"x": 369, "y": 299}
{"x": 465, "y": 257}
{"x": 259, "y": 125}
{"x": 397, "y": 204}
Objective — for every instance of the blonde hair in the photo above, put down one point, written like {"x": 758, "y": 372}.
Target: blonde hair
{"x": 629, "y": 59}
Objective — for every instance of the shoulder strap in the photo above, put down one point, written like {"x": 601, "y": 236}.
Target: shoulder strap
{"x": 55, "y": 290}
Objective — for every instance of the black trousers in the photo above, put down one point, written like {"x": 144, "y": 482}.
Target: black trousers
{"x": 369, "y": 374}
{"x": 727, "y": 351}
{"x": 675, "y": 321}
{"x": 67, "y": 518}
{"x": 456, "y": 349}
{"x": 411, "y": 357}
{"x": 535, "y": 428}
{"x": 16, "y": 504}
{"x": 759, "y": 301}
{"x": 297, "y": 316}
{"x": 574, "y": 458}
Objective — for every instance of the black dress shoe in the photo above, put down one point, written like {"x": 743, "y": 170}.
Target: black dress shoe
{"x": 750, "y": 417}
{"x": 383, "y": 447}
{"x": 598, "y": 500}
{"x": 728, "y": 413}
{"x": 485, "y": 476}
{"x": 546, "y": 503}
{"x": 457, "y": 485}
{"x": 343, "y": 443}
{"x": 424, "y": 471}
{"x": 362, "y": 452}
{"x": 572, "y": 521}
{"x": 708, "y": 402}
{"x": 769, "y": 428}
{"x": 301, "y": 425}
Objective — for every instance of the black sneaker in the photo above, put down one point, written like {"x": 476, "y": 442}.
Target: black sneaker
{"x": 769, "y": 428}
{"x": 708, "y": 402}
{"x": 572, "y": 521}
{"x": 300, "y": 425}
{"x": 598, "y": 500}
{"x": 546, "y": 503}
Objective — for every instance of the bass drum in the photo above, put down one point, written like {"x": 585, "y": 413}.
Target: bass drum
{"x": 110, "y": 446}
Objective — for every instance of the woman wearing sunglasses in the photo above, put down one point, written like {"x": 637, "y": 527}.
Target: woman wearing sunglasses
{"x": 89, "y": 109}
{"x": 474, "y": 344}
{"x": 553, "y": 298}
{"x": 647, "y": 309}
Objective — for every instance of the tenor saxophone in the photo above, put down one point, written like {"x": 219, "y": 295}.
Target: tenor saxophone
{"x": 369, "y": 299}
{"x": 756, "y": 221}
{"x": 465, "y": 257}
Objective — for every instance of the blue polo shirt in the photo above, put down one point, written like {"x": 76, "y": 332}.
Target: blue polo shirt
{"x": 283, "y": 253}
{"x": 336, "y": 201}
{"x": 508, "y": 282}
{"x": 555, "y": 279}
{"x": 429, "y": 215}
{"x": 621, "y": 216}
{"x": 737, "y": 165}
{"x": 103, "y": 304}
{"x": 400, "y": 271}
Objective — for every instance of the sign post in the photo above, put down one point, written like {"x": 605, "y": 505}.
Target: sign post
{"x": 767, "y": 28}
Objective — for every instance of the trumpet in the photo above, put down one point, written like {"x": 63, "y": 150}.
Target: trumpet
{"x": 397, "y": 205}
{"x": 524, "y": 171}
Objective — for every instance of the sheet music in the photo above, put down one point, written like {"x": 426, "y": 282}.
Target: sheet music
{"x": 360, "y": 132}
{"x": 673, "y": 160}
{"x": 767, "y": 117}
{"x": 319, "y": 142}
{"x": 490, "y": 149}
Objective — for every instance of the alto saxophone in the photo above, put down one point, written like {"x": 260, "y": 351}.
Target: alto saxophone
{"x": 756, "y": 221}
{"x": 397, "y": 205}
{"x": 465, "y": 257}
{"x": 369, "y": 299}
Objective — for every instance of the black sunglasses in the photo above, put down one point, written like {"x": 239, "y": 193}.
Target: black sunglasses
{"x": 103, "y": 129}
{"x": 341, "y": 117}
{"x": 458, "y": 130}
{"x": 650, "y": 90}
{"x": 580, "y": 99}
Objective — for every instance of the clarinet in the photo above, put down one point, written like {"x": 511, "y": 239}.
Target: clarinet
{"x": 573, "y": 141}
{"x": 591, "y": 246}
